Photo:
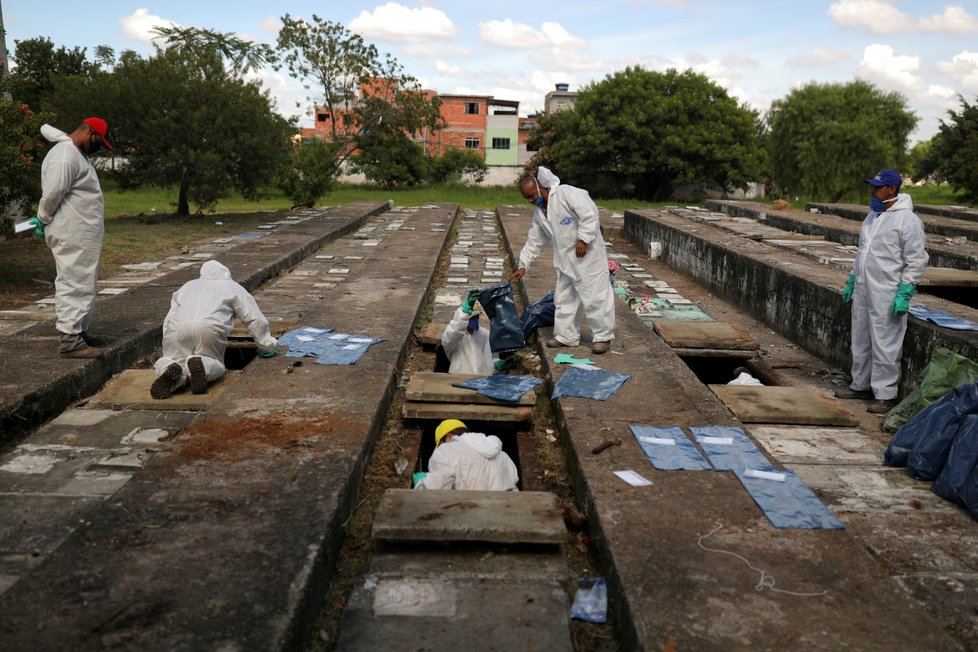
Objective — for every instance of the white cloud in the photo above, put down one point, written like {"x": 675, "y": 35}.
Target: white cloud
{"x": 395, "y": 22}
{"x": 138, "y": 26}
{"x": 963, "y": 68}
{"x": 881, "y": 17}
{"x": 270, "y": 25}
{"x": 450, "y": 70}
{"x": 508, "y": 34}
{"x": 556, "y": 60}
{"x": 817, "y": 58}
{"x": 882, "y": 66}
{"x": 737, "y": 60}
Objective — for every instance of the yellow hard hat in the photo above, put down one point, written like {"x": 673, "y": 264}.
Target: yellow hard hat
{"x": 446, "y": 427}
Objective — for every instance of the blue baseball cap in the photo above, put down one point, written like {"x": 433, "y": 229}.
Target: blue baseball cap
{"x": 886, "y": 177}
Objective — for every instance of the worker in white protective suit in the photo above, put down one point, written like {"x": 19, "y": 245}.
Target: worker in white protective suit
{"x": 466, "y": 341}
{"x": 195, "y": 331}
{"x": 468, "y": 461}
{"x": 568, "y": 217}
{"x": 70, "y": 217}
{"x": 889, "y": 264}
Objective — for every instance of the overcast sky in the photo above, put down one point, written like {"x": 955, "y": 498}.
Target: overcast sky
{"x": 758, "y": 50}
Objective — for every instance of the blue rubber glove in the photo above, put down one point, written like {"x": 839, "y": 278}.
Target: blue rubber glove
{"x": 901, "y": 302}
{"x": 847, "y": 290}
{"x": 271, "y": 353}
{"x": 470, "y": 300}
{"x": 38, "y": 226}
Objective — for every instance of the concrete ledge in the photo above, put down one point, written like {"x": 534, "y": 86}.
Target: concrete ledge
{"x": 36, "y": 384}
{"x": 794, "y": 296}
{"x": 937, "y": 223}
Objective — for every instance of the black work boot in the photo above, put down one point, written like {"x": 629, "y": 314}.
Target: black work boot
{"x": 198, "y": 377}
{"x": 167, "y": 382}
{"x": 73, "y": 345}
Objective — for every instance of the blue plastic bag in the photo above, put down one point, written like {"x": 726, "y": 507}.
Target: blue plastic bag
{"x": 938, "y": 425}
{"x": 961, "y": 460}
{"x": 538, "y": 315}
{"x": 506, "y": 333}
{"x": 591, "y": 600}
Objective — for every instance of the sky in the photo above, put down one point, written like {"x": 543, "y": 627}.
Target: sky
{"x": 759, "y": 50}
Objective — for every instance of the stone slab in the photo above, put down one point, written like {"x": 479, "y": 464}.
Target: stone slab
{"x": 432, "y": 614}
{"x": 706, "y": 335}
{"x": 277, "y": 327}
{"x": 949, "y": 277}
{"x": 432, "y": 387}
{"x": 531, "y": 517}
{"x": 818, "y": 445}
{"x": 130, "y": 390}
{"x": 467, "y": 412}
{"x": 430, "y": 334}
{"x": 788, "y": 405}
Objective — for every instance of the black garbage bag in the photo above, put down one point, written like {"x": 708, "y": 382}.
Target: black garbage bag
{"x": 539, "y": 314}
{"x": 958, "y": 471}
{"x": 506, "y": 333}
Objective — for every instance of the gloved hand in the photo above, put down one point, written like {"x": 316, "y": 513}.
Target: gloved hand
{"x": 271, "y": 353}
{"x": 847, "y": 290}
{"x": 901, "y": 302}
{"x": 38, "y": 226}
{"x": 470, "y": 300}
{"x": 499, "y": 366}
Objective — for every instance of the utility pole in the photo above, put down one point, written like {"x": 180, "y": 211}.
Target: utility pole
{"x": 5, "y": 70}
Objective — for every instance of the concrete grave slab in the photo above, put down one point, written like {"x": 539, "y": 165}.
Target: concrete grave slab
{"x": 430, "y": 334}
{"x": 787, "y": 405}
{"x": 277, "y": 327}
{"x": 432, "y": 387}
{"x": 466, "y": 412}
{"x": 531, "y": 517}
{"x": 706, "y": 335}
{"x": 871, "y": 490}
{"x": 819, "y": 445}
{"x": 130, "y": 390}
{"x": 949, "y": 277}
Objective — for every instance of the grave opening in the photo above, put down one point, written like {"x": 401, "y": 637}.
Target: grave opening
{"x": 720, "y": 370}
{"x": 966, "y": 296}
{"x": 239, "y": 355}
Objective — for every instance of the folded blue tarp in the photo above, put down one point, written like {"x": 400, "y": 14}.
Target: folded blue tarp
{"x": 327, "y": 347}
{"x": 942, "y": 318}
{"x": 668, "y": 448}
{"x": 729, "y": 449}
{"x": 788, "y": 503}
{"x": 503, "y": 388}
{"x": 589, "y": 383}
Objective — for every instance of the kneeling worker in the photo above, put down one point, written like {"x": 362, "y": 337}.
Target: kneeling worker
{"x": 195, "y": 331}
{"x": 466, "y": 342}
{"x": 466, "y": 460}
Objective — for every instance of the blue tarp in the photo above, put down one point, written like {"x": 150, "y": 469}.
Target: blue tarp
{"x": 503, "y": 388}
{"x": 739, "y": 454}
{"x": 589, "y": 383}
{"x": 680, "y": 455}
{"x": 789, "y": 504}
{"x": 942, "y": 318}
{"x": 327, "y": 347}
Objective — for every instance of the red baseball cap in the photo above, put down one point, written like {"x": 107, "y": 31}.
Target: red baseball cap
{"x": 100, "y": 127}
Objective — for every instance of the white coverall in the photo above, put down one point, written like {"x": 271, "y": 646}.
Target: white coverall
{"x": 583, "y": 284}
{"x": 469, "y": 354}
{"x": 891, "y": 252}
{"x": 471, "y": 461}
{"x": 202, "y": 314}
{"x": 73, "y": 209}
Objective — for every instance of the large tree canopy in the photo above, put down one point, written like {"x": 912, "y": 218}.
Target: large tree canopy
{"x": 642, "y": 134}
{"x": 952, "y": 154}
{"x": 825, "y": 139}
{"x": 180, "y": 120}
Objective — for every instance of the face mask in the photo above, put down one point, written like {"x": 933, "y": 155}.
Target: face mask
{"x": 876, "y": 204}
{"x": 539, "y": 202}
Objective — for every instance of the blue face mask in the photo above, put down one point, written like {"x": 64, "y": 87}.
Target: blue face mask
{"x": 539, "y": 202}
{"x": 876, "y": 204}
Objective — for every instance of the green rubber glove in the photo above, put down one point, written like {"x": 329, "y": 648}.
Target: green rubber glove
{"x": 470, "y": 300}
{"x": 901, "y": 302}
{"x": 271, "y": 353}
{"x": 847, "y": 290}
{"x": 38, "y": 226}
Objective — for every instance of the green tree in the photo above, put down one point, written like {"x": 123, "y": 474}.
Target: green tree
{"x": 39, "y": 67}
{"x": 182, "y": 121}
{"x": 824, "y": 139}
{"x": 456, "y": 163}
{"x": 953, "y": 152}
{"x": 21, "y": 152}
{"x": 390, "y": 159}
{"x": 309, "y": 173}
{"x": 196, "y": 43}
{"x": 642, "y": 134}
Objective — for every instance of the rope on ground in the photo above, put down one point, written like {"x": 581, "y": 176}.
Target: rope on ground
{"x": 766, "y": 580}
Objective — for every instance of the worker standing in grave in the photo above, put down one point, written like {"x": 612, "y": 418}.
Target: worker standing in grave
{"x": 567, "y": 216}
{"x": 468, "y": 461}
{"x": 889, "y": 264}
{"x": 466, "y": 341}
